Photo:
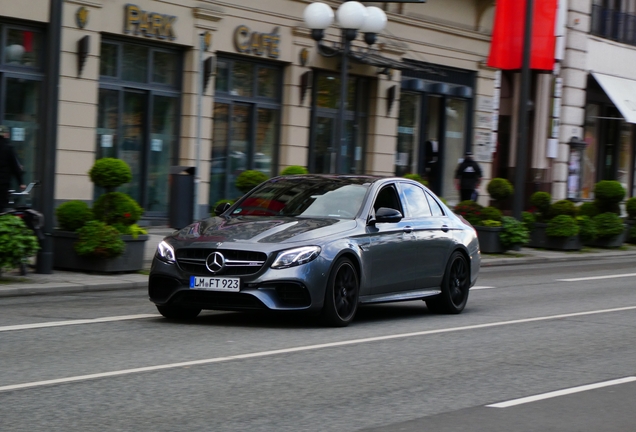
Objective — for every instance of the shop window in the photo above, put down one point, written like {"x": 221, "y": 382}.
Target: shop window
{"x": 246, "y": 124}
{"x": 589, "y": 155}
{"x": 135, "y": 63}
{"x": 164, "y": 68}
{"x": 23, "y": 48}
{"x": 408, "y": 133}
{"x": 454, "y": 145}
{"x": 108, "y": 61}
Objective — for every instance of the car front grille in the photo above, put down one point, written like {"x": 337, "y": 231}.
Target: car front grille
{"x": 237, "y": 263}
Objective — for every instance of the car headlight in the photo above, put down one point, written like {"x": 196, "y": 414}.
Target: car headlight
{"x": 294, "y": 257}
{"x": 165, "y": 251}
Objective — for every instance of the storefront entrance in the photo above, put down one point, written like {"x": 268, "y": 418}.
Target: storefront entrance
{"x": 138, "y": 117}
{"x": 20, "y": 92}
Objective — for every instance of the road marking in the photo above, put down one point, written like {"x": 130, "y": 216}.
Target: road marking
{"x": 597, "y": 277}
{"x": 481, "y": 288}
{"x": 563, "y": 392}
{"x": 304, "y": 348}
{"x": 76, "y": 322}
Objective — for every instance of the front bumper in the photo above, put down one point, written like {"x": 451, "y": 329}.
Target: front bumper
{"x": 300, "y": 288}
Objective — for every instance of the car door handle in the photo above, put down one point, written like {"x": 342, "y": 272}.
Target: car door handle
{"x": 408, "y": 229}
{"x": 445, "y": 228}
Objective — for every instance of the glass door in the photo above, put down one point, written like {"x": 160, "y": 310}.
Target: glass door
{"x": 132, "y": 143}
{"x": 163, "y": 138}
{"x": 324, "y": 153}
{"x": 240, "y": 144}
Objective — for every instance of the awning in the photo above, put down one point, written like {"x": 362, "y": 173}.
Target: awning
{"x": 622, "y": 92}
{"x": 376, "y": 59}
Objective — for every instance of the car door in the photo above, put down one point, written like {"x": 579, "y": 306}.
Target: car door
{"x": 390, "y": 249}
{"x": 432, "y": 234}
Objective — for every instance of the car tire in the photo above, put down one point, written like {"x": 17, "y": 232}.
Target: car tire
{"x": 454, "y": 287}
{"x": 341, "y": 296}
{"x": 178, "y": 312}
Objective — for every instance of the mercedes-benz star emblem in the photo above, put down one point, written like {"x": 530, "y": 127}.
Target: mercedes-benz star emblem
{"x": 215, "y": 262}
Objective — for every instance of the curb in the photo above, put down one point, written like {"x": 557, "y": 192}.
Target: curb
{"x": 592, "y": 256}
{"x": 31, "y": 289}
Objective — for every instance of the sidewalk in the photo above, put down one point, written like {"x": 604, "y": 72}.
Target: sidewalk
{"x": 65, "y": 282}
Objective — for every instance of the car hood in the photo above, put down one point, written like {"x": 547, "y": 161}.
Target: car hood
{"x": 262, "y": 229}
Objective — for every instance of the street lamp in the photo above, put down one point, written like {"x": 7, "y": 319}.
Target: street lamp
{"x": 352, "y": 17}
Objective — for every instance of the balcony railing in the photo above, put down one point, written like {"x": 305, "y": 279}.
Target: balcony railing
{"x": 614, "y": 25}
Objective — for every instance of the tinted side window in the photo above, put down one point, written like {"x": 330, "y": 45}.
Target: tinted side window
{"x": 415, "y": 201}
{"x": 435, "y": 207}
{"x": 387, "y": 197}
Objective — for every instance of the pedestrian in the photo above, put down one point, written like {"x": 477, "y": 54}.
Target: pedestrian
{"x": 9, "y": 167}
{"x": 468, "y": 178}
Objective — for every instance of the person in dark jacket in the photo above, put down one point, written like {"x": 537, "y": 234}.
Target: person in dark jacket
{"x": 468, "y": 177}
{"x": 9, "y": 167}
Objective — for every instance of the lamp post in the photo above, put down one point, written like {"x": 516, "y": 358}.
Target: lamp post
{"x": 352, "y": 17}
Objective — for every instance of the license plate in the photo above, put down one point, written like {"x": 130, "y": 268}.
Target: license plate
{"x": 215, "y": 283}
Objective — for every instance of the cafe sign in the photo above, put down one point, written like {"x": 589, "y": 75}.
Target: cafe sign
{"x": 249, "y": 42}
{"x": 149, "y": 24}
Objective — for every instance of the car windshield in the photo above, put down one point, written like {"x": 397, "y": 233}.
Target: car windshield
{"x": 307, "y": 197}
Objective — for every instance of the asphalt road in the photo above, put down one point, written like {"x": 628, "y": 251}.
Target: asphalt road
{"x": 533, "y": 351}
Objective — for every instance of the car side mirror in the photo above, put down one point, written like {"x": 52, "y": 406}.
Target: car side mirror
{"x": 386, "y": 215}
{"x": 221, "y": 208}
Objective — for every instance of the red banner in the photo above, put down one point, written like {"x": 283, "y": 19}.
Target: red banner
{"x": 506, "y": 49}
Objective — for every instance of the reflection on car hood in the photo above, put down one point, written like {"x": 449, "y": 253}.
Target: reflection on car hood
{"x": 257, "y": 229}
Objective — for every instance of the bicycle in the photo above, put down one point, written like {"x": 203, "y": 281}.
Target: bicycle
{"x": 33, "y": 219}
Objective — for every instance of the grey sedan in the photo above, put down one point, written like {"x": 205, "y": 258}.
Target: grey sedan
{"x": 319, "y": 243}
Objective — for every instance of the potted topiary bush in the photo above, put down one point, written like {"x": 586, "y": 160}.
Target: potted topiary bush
{"x": 541, "y": 203}
{"x": 294, "y": 170}
{"x": 610, "y": 230}
{"x": 248, "y": 180}
{"x": 607, "y": 196}
{"x": 499, "y": 190}
{"x": 17, "y": 243}
{"x": 587, "y": 229}
{"x": 563, "y": 233}
{"x": 105, "y": 238}
{"x": 418, "y": 178}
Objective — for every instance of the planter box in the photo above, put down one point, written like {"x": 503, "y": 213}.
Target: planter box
{"x": 538, "y": 238}
{"x": 572, "y": 243}
{"x": 609, "y": 243}
{"x": 629, "y": 224}
{"x": 65, "y": 257}
{"x": 489, "y": 241}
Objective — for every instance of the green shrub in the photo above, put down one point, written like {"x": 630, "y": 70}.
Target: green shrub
{"x": 418, "y": 178}
{"x": 17, "y": 242}
{"x": 588, "y": 209}
{"x": 248, "y": 180}
{"x": 110, "y": 173}
{"x": 500, "y": 189}
{"x": 490, "y": 223}
{"x": 528, "y": 219}
{"x": 630, "y": 208}
{"x": 608, "y": 194}
{"x": 72, "y": 215}
{"x": 98, "y": 240}
{"x": 562, "y": 207}
{"x": 133, "y": 230}
{"x": 562, "y": 226}
{"x": 608, "y": 225}
{"x": 117, "y": 208}
{"x": 294, "y": 170}
{"x": 514, "y": 232}
{"x": 470, "y": 210}
{"x": 587, "y": 229}
{"x": 541, "y": 201}
{"x": 491, "y": 213}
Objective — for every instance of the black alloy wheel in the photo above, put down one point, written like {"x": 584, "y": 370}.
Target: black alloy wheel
{"x": 455, "y": 286}
{"x": 176, "y": 312}
{"x": 341, "y": 297}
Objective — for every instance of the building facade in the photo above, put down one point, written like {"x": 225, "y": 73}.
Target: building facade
{"x": 132, "y": 72}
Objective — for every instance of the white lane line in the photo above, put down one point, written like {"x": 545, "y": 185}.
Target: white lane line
{"x": 76, "y": 322}
{"x": 597, "y": 277}
{"x": 481, "y": 288}
{"x": 563, "y": 392}
{"x": 304, "y": 348}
